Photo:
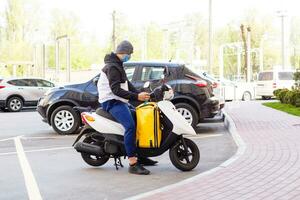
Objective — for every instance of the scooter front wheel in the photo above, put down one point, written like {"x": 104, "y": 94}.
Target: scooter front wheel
{"x": 93, "y": 160}
{"x": 185, "y": 158}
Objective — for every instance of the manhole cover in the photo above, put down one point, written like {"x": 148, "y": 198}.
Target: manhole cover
{"x": 296, "y": 124}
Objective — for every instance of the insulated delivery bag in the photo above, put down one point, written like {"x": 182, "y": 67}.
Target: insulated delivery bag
{"x": 148, "y": 131}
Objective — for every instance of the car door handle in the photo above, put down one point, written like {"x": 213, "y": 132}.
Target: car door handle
{"x": 41, "y": 88}
{"x": 20, "y": 88}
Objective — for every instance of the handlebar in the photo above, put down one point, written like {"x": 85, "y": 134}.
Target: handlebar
{"x": 158, "y": 93}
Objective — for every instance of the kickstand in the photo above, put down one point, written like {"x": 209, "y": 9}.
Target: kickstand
{"x": 118, "y": 163}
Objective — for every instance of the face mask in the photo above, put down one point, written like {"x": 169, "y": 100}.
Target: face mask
{"x": 126, "y": 58}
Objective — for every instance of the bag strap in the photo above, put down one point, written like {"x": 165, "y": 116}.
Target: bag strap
{"x": 147, "y": 104}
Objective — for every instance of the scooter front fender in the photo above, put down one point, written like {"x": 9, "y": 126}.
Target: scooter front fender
{"x": 180, "y": 125}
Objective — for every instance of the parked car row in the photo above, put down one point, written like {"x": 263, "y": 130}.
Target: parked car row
{"x": 226, "y": 90}
{"x": 193, "y": 96}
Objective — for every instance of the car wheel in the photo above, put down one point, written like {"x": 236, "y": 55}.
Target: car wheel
{"x": 266, "y": 97}
{"x": 64, "y": 120}
{"x": 188, "y": 112}
{"x": 247, "y": 96}
{"x": 14, "y": 104}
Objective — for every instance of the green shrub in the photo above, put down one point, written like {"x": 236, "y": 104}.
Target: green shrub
{"x": 288, "y": 97}
{"x": 281, "y": 95}
{"x": 276, "y": 92}
{"x": 297, "y": 102}
{"x": 297, "y": 79}
{"x": 295, "y": 98}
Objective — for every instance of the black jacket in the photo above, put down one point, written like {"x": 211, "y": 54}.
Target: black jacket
{"x": 116, "y": 75}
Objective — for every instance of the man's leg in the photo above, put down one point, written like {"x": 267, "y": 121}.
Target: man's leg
{"x": 122, "y": 114}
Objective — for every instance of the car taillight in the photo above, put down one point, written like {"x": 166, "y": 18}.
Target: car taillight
{"x": 2, "y": 86}
{"x": 201, "y": 83}
{"x": 274, "y": 85}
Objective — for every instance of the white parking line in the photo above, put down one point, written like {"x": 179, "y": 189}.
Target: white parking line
{"x": 50, "y": 137}
{"x": 36, "y": 150}
{"x": 8, "y": 153}
{"x": 30, "y": 182}
{"x": 6, "y": 139}
{"x": 49, "y": 149}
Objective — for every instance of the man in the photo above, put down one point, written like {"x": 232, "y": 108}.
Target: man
{"x": 115, "y": 90}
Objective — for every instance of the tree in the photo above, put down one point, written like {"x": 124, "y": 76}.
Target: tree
{"x": 15, "y": 20}
{"x": 295, "y": 41}
{"x": 260, "y": 25}
{"x": 67, "y": 24}
{"x": 20, "y": 20}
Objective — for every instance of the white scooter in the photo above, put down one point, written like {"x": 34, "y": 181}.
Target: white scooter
{"x": 104, "y": 136}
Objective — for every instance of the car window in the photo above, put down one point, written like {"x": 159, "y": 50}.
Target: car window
{"x": 30, "y": 82}
{"x": 152, "y": 73}
{"x": 44, "y": 83}
{"x": 265, "y": 76}
{"x": 19, "y": 82}
{"x": 13, "y": 82}
{"x": 92, "y": 88}
{"x": 129, "y": 72}
{"x": 285, "y": 76}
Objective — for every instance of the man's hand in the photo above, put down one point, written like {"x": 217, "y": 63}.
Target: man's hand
{"x": 143, "y": 96}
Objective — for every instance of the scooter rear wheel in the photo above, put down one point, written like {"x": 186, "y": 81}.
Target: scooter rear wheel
{"x": 93, "y": 160}
{"x": 182, "y": 159}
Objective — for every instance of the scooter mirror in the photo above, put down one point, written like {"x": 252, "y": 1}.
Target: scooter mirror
{"x": 166, "y": 71}
{"x": 95, "y": 80}
{"x": 147, "y": 84}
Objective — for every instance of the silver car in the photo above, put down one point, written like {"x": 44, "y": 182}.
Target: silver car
{"x": 18, "y": 92}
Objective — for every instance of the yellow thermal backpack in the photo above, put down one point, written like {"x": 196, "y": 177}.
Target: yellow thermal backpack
{"x": 148, "y": 131}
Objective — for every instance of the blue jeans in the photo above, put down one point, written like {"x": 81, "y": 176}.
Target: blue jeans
{"x": 125, "y": 115}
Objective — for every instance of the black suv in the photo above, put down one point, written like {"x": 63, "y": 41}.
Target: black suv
{"x": 193, "y": 96}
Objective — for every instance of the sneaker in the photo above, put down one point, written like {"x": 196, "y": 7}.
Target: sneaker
{"x": 146, "y": 161}
{"x": 138, "y": 169}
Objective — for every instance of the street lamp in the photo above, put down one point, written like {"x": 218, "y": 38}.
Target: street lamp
{"x": 238, "y": 47}
{"x": 166, "y": 43}
{"x": 68, "y": 63}
{"x": 210, "y": 38}
{"x": 282, "y": 14}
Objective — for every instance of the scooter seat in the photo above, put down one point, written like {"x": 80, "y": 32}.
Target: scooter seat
{"x": 105, "y": 114}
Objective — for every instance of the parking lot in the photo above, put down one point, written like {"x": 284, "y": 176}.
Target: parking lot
{"x": 58, "y": 172}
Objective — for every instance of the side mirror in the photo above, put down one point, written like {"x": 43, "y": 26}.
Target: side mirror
{"x": 146, "y": 85}
{"x": 162, "y": 76}
{"x": 95, "y": 80}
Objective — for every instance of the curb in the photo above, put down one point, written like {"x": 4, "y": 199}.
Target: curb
{"x": 230, "y": 125}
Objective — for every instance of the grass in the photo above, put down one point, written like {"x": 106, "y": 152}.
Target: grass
{"x": 293, "y": 110}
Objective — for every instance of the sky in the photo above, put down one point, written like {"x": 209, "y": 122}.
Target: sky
{"x": 95, "y": 15}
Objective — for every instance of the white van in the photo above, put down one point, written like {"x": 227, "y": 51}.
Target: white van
{"x": 268, "y": 81}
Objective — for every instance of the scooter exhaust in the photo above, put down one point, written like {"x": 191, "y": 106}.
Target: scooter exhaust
{"x": 88, "y": 148}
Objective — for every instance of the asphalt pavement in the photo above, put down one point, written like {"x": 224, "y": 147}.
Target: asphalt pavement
{"x": 58, "y": 172}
